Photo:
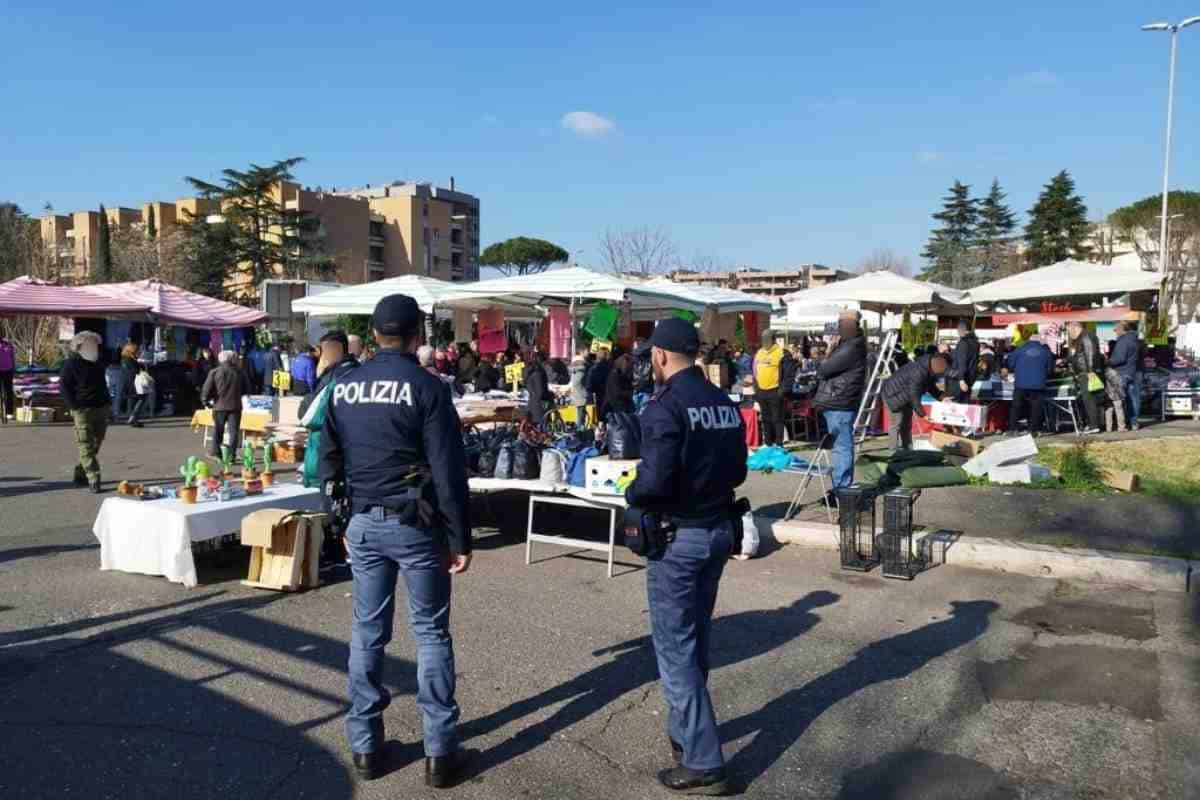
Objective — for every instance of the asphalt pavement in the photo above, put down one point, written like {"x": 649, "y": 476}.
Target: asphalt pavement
{"x": 827, "y": 684}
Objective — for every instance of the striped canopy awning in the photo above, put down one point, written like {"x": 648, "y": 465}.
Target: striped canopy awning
{"x": 149, "y": 300}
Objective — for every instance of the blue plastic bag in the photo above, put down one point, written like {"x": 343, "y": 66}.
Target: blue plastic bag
{"x": 577, "y": 466}
{"x": 769, "y": 459}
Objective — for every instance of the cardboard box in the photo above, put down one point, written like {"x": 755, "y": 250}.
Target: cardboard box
{"x": 958, "y": 445}
{"x": 718, "y": 374}
{"x": 1121, "y": 480}
{"x": 958, "y": 414}
{"x": 603, "y": 473}
{"x": 1018, "y": 473}
{"x": 35, "y": 414}
{"x": 289, "y": 453}
{"x": 1002, "y": 454}
{"x": 288, "y": 411}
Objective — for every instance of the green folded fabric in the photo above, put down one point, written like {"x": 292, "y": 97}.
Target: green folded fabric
{"x": 929, "y": 477}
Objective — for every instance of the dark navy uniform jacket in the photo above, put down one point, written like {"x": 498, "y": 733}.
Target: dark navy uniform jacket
{"x": 693, "y": 450}
{"x": 387, "y": 417}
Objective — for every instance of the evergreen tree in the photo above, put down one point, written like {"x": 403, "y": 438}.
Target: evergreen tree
{"x": 151, "y": 228}
{"x": 1058, "y": 226}
{"x": 994, "y": 232}
{"x": 951, "y": 250}
{"x": 102, "y": 271}
{"x": 268, "y": 237}
{"x": 207, "y": 255}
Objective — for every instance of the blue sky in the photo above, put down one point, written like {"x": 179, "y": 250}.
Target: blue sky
{"x": 757, "y": 133}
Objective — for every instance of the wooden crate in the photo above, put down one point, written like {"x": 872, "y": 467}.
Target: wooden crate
{"x": 289, "y": 453}
{"x": 291, "y": 561}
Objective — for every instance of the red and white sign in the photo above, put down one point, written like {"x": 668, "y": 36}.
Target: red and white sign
{"x": 958, "y": 414}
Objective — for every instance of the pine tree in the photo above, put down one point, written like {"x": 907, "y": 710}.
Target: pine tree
{"x": 951, "y": 248}
{"x": 996, "y": 224}
{"x": 1058, "y": 226}
{"x": 103, "y": 271}
{"x": 151, "y": 228}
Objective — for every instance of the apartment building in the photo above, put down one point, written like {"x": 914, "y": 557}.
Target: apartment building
{"x": 772, "y": 283}
{"x": 370, "y": 233}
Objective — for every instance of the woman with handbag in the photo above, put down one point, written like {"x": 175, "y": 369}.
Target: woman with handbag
{"x": 1086, "y": 366}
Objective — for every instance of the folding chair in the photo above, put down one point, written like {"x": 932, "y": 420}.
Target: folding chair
{"x": 821, "y": 467}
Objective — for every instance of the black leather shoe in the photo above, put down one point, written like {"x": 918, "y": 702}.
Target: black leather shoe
{"x": 676, "y": 752}
{"x": 80, "y": 477}
{"x": 690, "y": 781}
{"x": 368, "y": 766}
{"x": 96, "y": 488}
{"x": 442, "y": 771}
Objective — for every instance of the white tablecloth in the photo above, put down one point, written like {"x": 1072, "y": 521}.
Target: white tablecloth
{"x": 154, "y": 537}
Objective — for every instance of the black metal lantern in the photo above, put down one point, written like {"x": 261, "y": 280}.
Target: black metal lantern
{"x": 896, "y": 541}
{"x": 856, "y": 521}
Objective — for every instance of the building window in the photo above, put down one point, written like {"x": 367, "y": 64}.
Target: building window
{"x": 455, "y": 236}
{"x": 456, "y": 260}
{"x": 437, "y": 262}
{"x": 424, "y": 209}
{"x": 437, "y": 234}
{"x": 376, "y": 253}
{"x": 377, "y": 229}
{"x": 425, "y": 235}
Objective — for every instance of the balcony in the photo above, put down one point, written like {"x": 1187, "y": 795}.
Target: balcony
{"x": 376, "y": 241}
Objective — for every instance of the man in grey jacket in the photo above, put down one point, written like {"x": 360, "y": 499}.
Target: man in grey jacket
{"x": 1125, "y": 361}
{"x": 224, "y": 388}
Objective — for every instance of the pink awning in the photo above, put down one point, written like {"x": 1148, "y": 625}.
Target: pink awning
{"x": 27, "y": 296}
{"x": 172, "y": 305}
{"x": 150, "y": 300}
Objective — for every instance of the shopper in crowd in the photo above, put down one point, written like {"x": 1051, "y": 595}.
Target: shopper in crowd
{"x": 425, "y": 356}
{"x": 355, "y": 344}
{"x": 8, "y": 366}
{"x": 987, "y": 361}
{"x": 743, "y": 364}
{"x": 487, "y": 376}
{"x": 83, "y": 389}
{"x": 143, "y": 384}
{"x": 335, "y": 363}
{"x": 842, "y": 378}
{"x": 1127, "y": 364}
{"x": 129, "y": 371}
{"x": 1031, "y": 365}
{"x": 272, "y": 364}
{"x": 441, "y": 362}
{"x": 223, "y": 390}
{"x": 537, "y": 385}
{"x": 768, "y": 389}
{"x": 964, "y": 365}
{"x": 304, "y": 371}
{"x": 903, "y": 392}
{"x": 618, "y": 389}
{"x": 1084, "y": 360}
{"x": 720, "y": 357}
{"x": 467, "y": 362}
{"x": 256, "y": 359}
{"x": 597, "y": 381}
{"x": 579, "y": 392}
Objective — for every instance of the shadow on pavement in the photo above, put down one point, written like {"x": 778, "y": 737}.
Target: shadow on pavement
{"x": 780, "y": 723}
{"x": 37, "y": 488}
{"x": 735, "y": 638}
{"x": 88, "y": 717}
{"x": 18, "y": 553}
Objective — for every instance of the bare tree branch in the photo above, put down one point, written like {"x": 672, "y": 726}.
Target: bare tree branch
{"x": 641, "y": 251}
{"x": 884, "y": 259}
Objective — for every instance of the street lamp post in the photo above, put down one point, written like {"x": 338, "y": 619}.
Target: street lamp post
{"x": 1174, "y": 30}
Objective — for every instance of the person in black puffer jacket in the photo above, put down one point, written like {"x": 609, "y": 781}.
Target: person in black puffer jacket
{"x": 843, "y": 375}
{"x": 1084, "y": 358}
{"x": 964, "y": 367}
{"x": 903, "y": 392}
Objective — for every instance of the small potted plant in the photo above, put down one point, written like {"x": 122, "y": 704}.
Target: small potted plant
{"x": 267, "y": 476}
{"x": 226, "y": 462}
{"x": 248, "y": 471}
{"x": 189, "y": 471}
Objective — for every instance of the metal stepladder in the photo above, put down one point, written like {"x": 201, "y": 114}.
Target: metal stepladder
{"x": 820, "y": 467}
{"x": 885, "y": 365}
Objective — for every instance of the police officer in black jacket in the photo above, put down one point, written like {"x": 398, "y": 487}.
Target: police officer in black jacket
{"x": 392, "y": 433}
{"x": 693, "y": 457}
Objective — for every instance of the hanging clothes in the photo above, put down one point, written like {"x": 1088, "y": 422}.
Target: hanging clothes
{"x": 462, "y": 325}
{"x": 491, "y": 331}
{"x": 560, "y": 333}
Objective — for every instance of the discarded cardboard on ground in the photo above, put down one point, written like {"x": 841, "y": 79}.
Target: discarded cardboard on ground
{"x": 925, "y": 445}
{"x": 952, "y": 443}
{"x": 1121, "y": 480}
{"x": 1002, "y": 454}
{"x": 1018, "y": 473}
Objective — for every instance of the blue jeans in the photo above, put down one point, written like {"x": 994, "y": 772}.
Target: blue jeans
{"x": 841, "y": 427}
{"x": 381, "y": 548}
{"x": 1133, "y": 397}
{"x": 682, "y": 589}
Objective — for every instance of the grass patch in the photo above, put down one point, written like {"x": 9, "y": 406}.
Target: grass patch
{"x": 1168, "y": 468}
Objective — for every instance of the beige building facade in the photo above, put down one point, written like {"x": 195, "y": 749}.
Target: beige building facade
{"x": 772, "y": 283}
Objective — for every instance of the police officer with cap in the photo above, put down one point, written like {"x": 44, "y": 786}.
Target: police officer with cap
{"x": 392, "y": 433}
{"x": 693, "y": 457}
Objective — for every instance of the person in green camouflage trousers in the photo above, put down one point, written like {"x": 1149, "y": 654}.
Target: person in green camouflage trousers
{"x": 84, "y": 390}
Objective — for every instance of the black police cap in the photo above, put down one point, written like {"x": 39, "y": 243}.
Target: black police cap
{"x": 397, "y": 315}
{"x": 673, "y": 335}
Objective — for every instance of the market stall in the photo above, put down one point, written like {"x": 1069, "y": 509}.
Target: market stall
{"x": 155, "y": 537}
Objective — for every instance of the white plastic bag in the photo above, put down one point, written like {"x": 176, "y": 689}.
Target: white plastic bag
{"x": 554, "y": 466}
{"x": 750, "y": 538}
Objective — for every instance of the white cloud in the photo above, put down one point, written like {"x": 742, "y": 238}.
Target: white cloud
{"x": 928, "y": 156}
{"x": 588, "y": 123}
{"x": 1040, "y": 77}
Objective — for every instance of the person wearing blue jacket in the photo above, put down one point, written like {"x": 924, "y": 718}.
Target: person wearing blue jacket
{"x": 1031, "y": 365}
{"x": 1125, "y": 361}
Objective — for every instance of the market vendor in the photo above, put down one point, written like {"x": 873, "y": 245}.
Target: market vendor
{"x": 903, "y": 392}
{"x": 84, "y": 390}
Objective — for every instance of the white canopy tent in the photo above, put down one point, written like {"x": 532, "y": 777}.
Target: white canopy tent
{"x": 1068, "y": 279}
{"x": 814, "y": 318}
{"x": 880, "y": 291}
{"x": 723, "y": 301}
{"x": 361, "y": 298}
